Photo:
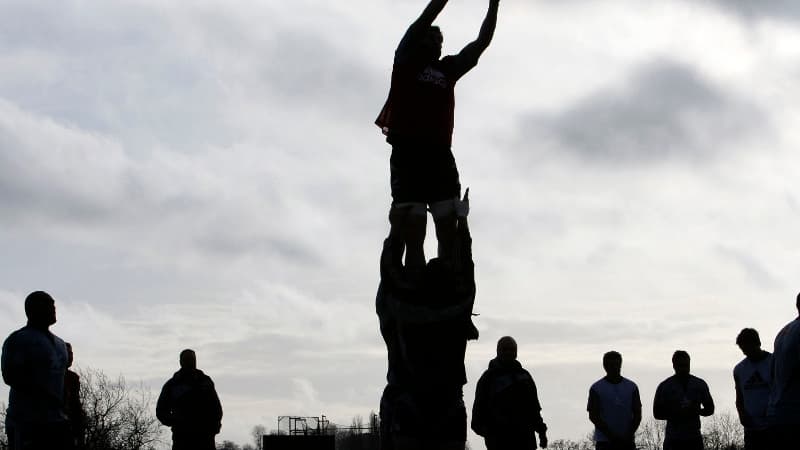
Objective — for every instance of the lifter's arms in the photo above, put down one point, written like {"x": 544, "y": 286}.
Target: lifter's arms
{"x": 469, "y": 55}
{"x": 420, "y": 26}
{"x": 416, "y": 32}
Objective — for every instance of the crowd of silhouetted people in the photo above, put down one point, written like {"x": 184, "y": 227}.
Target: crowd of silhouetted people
{"x": 44, "y": 401}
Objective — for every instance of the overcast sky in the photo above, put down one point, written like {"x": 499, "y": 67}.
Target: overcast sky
{"x": 207, "y": 175}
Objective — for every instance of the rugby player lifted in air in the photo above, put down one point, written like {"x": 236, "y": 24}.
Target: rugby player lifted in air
{"x": 417, "y": 120}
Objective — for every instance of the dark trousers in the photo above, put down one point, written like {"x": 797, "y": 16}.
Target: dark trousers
{"x": 784, "y": 436}
{"x": 513, "y": 441}
{"x": 615, "y": 446}
{"x": 47, "y": 436}
{"x": 756, "y": 440}
{"x": 183, "y": 439}
{"x": 684, "y": 444}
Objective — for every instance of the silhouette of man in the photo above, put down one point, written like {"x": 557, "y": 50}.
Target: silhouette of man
{"x": 189, "y": 405}
{"x": 506, "y": 411}
{"x": 72, "y": 403}
{"x": 680, "y": 400}
{"x": 752, "y": 378}
{"x": 425, "y": 320}
{"x": 34, "y": 362}
{"x": 614, "y": 407}
{"x": 784, "y": 398}
{"x": 417, "y": 120}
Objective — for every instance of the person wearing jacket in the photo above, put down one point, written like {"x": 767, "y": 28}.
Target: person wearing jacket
{"x": 506, "y": 412}
{"x": 190, "y": 406}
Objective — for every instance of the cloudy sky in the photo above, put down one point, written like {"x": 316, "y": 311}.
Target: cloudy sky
{"x": 206, "y": 174}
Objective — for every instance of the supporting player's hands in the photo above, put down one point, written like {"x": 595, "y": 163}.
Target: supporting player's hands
{"x": 462, "y": 206}
{"x": 542, "y": 440}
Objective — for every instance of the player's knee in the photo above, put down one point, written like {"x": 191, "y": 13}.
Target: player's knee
{"x": 443, "y": 209}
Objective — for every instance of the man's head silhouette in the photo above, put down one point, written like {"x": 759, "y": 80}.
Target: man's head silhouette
{"x": 188, "y": 359}
{"x": 431, "y": 44}
{"x": 749, "y": 342}
{"x": 681, "y": 363}
{"x": 612, "y": 363}
{"x": 40, "y": 308}
{"x": 507, "y": 349}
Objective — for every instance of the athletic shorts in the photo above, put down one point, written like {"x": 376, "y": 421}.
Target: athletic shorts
{"x": 423, "y": 174}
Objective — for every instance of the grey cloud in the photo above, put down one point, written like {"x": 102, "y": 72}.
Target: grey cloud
{"x": 750, "y": 265}
{"x": 749, "y": 10}
{"x": 665, "y": 111}
{"x": 564, "y": 332}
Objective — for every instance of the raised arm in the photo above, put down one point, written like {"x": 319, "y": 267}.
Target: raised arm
{"x": 420, "y": 26}
{"x": 469, "y": 55}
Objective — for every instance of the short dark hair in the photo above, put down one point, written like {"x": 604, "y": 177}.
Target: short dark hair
{"x": 35, "y": 299}
{"x": 748, "y": 335}
{"x": 680, "y": 354}
{"x": 608, "y": 356}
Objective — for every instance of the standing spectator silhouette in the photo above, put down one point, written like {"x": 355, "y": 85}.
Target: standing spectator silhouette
{"x": 72, "y": 403}
{"x": 189, "y": 405}
{"x": 784, "y": 398}
{"x": 417, "y": 120}
{"x": 34, "y": 363}
{"x": 752, "y": 378}
{"x": 506, "y": 411}
{"x": 680, "y": 400}
{"x": 425, "y": 322}
{"x": 614, "y": 407}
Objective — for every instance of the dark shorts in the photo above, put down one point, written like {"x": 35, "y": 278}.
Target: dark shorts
{"x": 423, "y": 417}
{"x": 423, "y": 174}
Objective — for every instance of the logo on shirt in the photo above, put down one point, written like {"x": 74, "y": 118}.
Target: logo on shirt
{"x": 432, "y": 76}
{"x": 756, "y": 382}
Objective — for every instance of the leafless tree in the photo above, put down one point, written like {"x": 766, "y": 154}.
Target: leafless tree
{"x": 651, "y": 434}
{"x": 258, "y": 433}
{"x": 3, "y": 437}
{"x": 723, "y": 432}
{"x": 118, "y": 416}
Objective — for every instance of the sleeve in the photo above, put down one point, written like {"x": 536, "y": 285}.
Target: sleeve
{"x": 660, "y": 404}
{"x": 407, "y": 46}
{"x": 456, "y": 66}
{"x": 14, "y": 365}
{"x": 164, "y": 405}
{"x": 216, "y": 407}
{"x": 536, "y": 409}
{"x": 636, "y": 400}
{"x": 708, "y": 402}
{"x": 479, "y": 408}
{"x": 592, "y": 403}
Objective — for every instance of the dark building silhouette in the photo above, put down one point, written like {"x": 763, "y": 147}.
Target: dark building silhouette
{"x": 34, "y": 363}
{"x": 190, "y": 406}
{"x": 507, "y": 412}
